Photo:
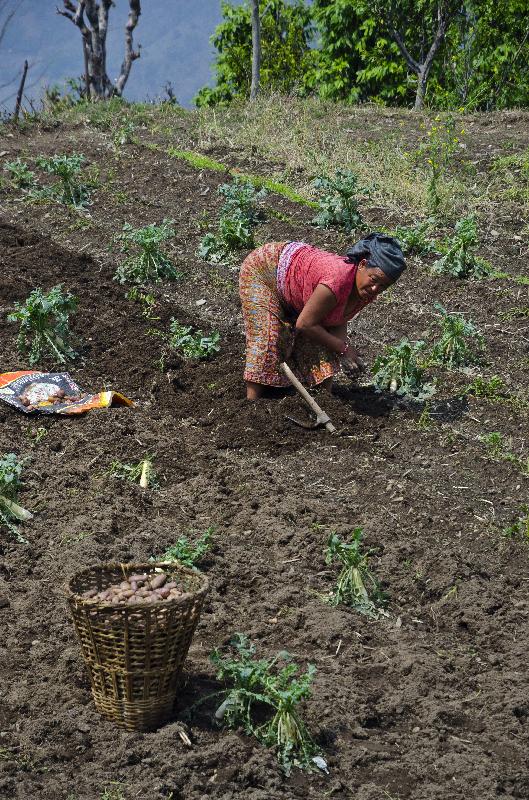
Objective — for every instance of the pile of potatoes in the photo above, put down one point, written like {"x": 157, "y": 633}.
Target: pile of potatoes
{"x": 144, "y": 589}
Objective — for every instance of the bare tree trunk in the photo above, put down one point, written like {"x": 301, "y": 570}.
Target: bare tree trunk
{"x": 94, "y": 31}
{"x": 446, "y": 10}
{"x": 256, "y": 50}
{"x": 20, "y": 91}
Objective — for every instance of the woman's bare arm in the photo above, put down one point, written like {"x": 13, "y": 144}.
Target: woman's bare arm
{"x": 321, "y": 302}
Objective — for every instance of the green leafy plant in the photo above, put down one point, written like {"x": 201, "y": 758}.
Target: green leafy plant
{"x": 187, "y": 553}
{"x": 148, "y": 262}
{"x": 21, "y": 175}
{"x": 44, "y": 325}
{"x": 69, "y": 189}
{"x": 192, "y": 344}
{"x": 499, "y": 450}
{"x": 147, "y": 302}
{"x": 338, "y": 201}
{"x": 356, "y": 585}
{"x": 414, "y": 240}
{"x": 124, "y": 135}
{"x": 238, "y": 218}
{"x": 398, "y": 370}
{"x": 277, "y": 684}
{"x": 453, "y": 348}
{"x": 459, "y": 260}
{"x": 143, "y": 472}
{"x": 520, "y": 526}
{"x": 10, "y": 484}
{"x": 494, "y": 390}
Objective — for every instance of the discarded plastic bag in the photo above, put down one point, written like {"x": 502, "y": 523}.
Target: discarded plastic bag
{"x": 53, "y": 393}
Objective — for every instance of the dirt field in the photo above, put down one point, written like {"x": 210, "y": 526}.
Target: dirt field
{"x": 428, "y": 704}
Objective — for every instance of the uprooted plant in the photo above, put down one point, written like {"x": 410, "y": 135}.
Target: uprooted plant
{"x": 398, "y": 369}
{"x": 339, "y": 200}
{"x": 10, "y": 511}
{"x": 143, "y": 472}
{"x": 44, "y": 325}
{"x": 239, "y": 215}
{"x": 69, "y": 189}
{"x": 454, "y": 348}
{"x": 187, "y": 553}
{"x": 356, "y": 585}
{"x": 146, "y": 260}
{"x": 277, "y": 685}
{"x": 459, "y": 259}
{"x": 192, "y": 344}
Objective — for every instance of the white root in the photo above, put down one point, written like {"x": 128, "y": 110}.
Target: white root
{"x": 16, "y": 510}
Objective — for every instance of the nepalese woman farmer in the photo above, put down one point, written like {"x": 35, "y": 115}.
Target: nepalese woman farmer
{"x": 297, "y": 300}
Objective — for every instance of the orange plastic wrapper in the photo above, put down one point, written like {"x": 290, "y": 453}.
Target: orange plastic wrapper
{"x": 53, "y": 393}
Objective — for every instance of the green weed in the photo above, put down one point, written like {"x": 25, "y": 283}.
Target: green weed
{"x": 147, "y": 302}
{"x": 498, "y": 450}
{"x": 356, "y": 586}
{"x": 520, "y": 526}
{"x": 44, "y": 325}
{"x": 277, "y": 685}
{"x": 493, "y": 389}
{"x": 398, "y": 370}
{"x": 148, "y": 262}
{"x": 438, "y": 148}
{"x": 521, "y": 312}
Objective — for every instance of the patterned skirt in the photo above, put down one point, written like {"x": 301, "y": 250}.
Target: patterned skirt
{"x": 269, "y": 325}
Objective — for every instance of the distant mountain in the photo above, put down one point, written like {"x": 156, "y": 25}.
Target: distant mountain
{"x": 174, "y": 35}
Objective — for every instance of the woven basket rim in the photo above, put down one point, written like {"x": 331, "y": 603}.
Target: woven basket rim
{"x": 111, "y": 565}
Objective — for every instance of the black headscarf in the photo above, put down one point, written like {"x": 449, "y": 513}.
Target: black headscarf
{"x": 380, "y": 251}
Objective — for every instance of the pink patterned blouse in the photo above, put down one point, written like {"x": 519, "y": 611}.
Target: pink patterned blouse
{"x": 309, "y": 267}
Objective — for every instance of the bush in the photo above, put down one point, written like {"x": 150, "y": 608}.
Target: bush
{"x": 459, "y": 260}
{"x": 338, "y": 203}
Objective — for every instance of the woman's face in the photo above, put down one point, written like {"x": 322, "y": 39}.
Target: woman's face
{"x": 370, "y": 281}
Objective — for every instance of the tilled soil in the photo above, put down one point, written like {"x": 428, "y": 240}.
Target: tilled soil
{"x": 429, "y": 703}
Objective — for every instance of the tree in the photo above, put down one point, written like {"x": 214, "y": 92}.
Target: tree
{"x": 286, "y": 32}
{"x": 91, "y": 17}
{"x": 395, "y": 15}
{"x": 256, "y": 50}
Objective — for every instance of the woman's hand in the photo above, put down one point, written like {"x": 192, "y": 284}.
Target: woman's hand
{"x": 351, "y": 361}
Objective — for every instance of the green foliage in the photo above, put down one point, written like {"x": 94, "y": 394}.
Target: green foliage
{"x": 44, "y": 325}
{"x": 520, "y": 526}
{"x": 239, "y": 215}
{"x": 146, "y": 300}
{"x": 192, "y": 344}
{"x": 187, "y": 553}
{"x": 10, "y": 484}
{"x": 356, "y": 585}
{"x": 453, "y": 349}
{"x": 414, "y": 240}
{"x": 148, "y": 262}
{"x": 494, "y": 390}
{"x": 338, "y": 202}
{"x": 278, "y": 685}
{"x": 68, "y": 190}
{"x": 357, "y": 60}
{"x": 398, "y": 369}
{"x": 21, "y": 175}
{"x": 499, "y": 450}
{"x": 286, "y": 30}
{"x": 459, "y": 260}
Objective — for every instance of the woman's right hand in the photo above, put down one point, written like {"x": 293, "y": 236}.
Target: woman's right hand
{"x": 351, "y": 361}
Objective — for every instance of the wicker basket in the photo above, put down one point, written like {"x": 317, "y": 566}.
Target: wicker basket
{"x": 135, "y": 652}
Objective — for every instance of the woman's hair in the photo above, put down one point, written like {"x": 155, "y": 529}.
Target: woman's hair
{"x": 380, "y": 251}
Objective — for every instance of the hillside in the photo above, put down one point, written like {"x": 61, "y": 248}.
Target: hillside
{"x": 428, "y": 702}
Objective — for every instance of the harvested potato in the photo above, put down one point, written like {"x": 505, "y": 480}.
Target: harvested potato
{"x": 140, "y": 589}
